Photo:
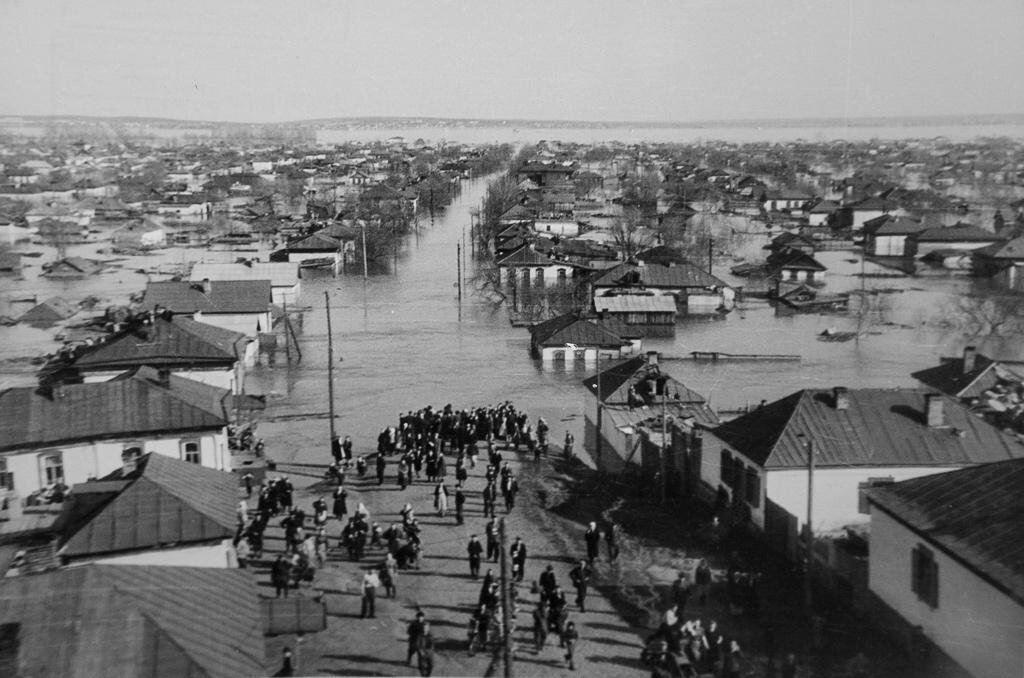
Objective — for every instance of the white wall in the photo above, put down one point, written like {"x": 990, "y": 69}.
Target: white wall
{"x": 860, "y": 216}
{"x": 589, "y": 354}
{"x": 86, "y": 460}
{"x": 218, "y": 554}
{"x": 285, "y": 294}
{"x": 836, "y": 495}
{"x": 237, "y": 322}
{"x": 924, "y": 248}
{"x": 890, "y": 245}
{"x": 221, "y": 378}
{"x": 976, "y": 624}
{"x": 558, "y": 227}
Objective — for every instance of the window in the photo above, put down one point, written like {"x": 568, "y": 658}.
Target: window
{"x": 925, "y": 575}
{"x": 753, "y": 487}
{"x": 727, "y": 468}
{"x": 53, "y": 468}
{"x": 130, "y": 453}
{"x": 6, "y": 477}
{"x": 862, "y": 491}
{"x": 190, "y": 452}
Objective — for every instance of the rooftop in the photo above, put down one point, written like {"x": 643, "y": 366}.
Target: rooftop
{"x": 280, "y": 274}
{"x": 684, "y": 274}
{"x": 224, "y": 296}
{"x": 570, "y": 328}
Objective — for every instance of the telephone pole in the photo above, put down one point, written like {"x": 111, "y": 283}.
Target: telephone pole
{"x": 664, "y": 445}
{"x": 330, "y": 364}
{"x": 506, "y": 610}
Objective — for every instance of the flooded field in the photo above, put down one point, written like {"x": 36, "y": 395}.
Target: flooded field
{"x": 402, "y": 343}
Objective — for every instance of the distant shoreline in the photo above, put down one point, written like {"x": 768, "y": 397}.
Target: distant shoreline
{"x": 373, "y": 122}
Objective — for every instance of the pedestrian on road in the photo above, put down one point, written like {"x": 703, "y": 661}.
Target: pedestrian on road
{"x": 472, "y": 631}
{"x": 593, "y": 539}
{"x": 441, "y": 498}
{"x": 580, "y": 576}
{"x": 389, "y": 576}
{"x": 475, "y": 549}
{"x": 490, "y": 496}
{"x": 279, "y": 572}
{"x": 511, "y": 489}
{"x": 540, "y": 626}
{"x": 703, "y": 581}
{"x": 414, "y": 630}
{"x": 518, "y": 553}
{"x": 460, "y": 502}
{"x": 485, "y": 588}
{"x": 567, "y": 446}
{"x": 681, "y": 592}
{"x": 610, "y": 535}
{"x": 370, "y": 583}
{"x": 548, "y": 583}
{"x": 382, "y": 466}
{"x": 346, "y": 449}
{"x": 569, "y": 638}
{"x": 491, "y": 531}
{"x": 340, "y": 502}
{"x": 425, "y": 648}
{"x": 336, "y": 450}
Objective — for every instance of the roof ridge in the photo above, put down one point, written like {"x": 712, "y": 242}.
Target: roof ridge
{"x": 803, "y": 393}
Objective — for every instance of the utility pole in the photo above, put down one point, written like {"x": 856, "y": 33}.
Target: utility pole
{"x": 664, "y": 445}
{"x": 458, "y": 273}
{"x": 330, "y": 364}
{"x": 363, "y": 227}
{"x": 287, "y": 346}
{"x": 506, "y": 610}
{"x": 711, "y": 252}
{"x": 597, "y": 461}
{"x": 808, "y": 595}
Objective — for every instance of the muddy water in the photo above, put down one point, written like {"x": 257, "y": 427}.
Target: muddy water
{"x": 401, "y": 342}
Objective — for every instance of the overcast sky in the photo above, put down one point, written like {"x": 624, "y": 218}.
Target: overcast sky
{"x": 672, "y": 60}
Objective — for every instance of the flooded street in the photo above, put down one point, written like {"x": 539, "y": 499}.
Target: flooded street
{"x": 401, "y": 343}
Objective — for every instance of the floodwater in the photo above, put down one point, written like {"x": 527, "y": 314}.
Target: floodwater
{"x": 401, "y": 342}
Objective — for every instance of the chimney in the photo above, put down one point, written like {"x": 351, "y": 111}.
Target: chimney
{"x": 652, "y": 357}
{"x": 970, "y": 356}
{"x": 841, "y": 398}
{"x": 163, "y": 377}
{"x": 935, "y": 415}
{"x": 207, "y": 286}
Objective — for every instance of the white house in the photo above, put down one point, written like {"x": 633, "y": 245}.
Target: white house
{"x": 530, "y": 268}
{"x": 887, "y": 236}
{"x": 570, "y": 337}
{"x": 67, "y": 434}
{"x": 946, "y": 556}
{"x": 568, "y": 228}
{"x": 284, "y": 276}
{"x": 237, "y": 305}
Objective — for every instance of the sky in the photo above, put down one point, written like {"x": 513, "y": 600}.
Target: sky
{"x": 629, "y": 60}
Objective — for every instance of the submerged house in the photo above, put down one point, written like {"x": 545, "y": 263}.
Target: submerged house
{"x": 572, "y": 336}
{"x": 72, "y": 267}
{"x": 889, "y": 236}
{"x": 284, "y": 277}
{"x": 694, "y": 290}
{"x": 1002, "y": 261}
{"x": 236, "y": 305}
{"x": 958, "y": 238}
{"x": 49, "y": 312}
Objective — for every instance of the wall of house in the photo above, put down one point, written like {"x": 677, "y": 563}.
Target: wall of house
{"x": 924, "y": 248}
{"x": 890, "y": 245}
{"x": 85, "y": 460}
{"x": 976, "y": 624}
{"x": 585, "y": 355}
{"x": 711, "y": 473}
{"x": 836, "y": 492}
{"x": 860, "y": 216}
{"x": 246, "y": 323}
{"x": 217, "y": 554}
{"x": 549, "y": 275}
{"x": 299, "y": 257}
{"x": 817, "y": 219}
{"x": 283, "y": 294}
{"x": 225, "y": 378}
{"x": 558, "y": 227}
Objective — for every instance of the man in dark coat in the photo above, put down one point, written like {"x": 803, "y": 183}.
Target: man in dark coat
{"x": 382, "y": 466}
{"x": 593, "y": 539}
{"x": 491, "y": 531}
{"x": 415, "y": 630}
{"x": 580, "y": 577}
{"x": 518, "y": 553}
{"x": 475, "y": 549}
{"x": 460, "y": 502}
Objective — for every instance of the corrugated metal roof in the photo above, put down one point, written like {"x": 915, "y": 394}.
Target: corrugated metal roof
{"x": 527, "y": 256}
{"x": 279, "y": 273}
{"x": 177, "y": 341}
{"x": 569, "y": 328}
{"x": 960, "y": 233}
{"x": 225, "y": 296}
{"x": 116, "y": 620}
{"x": 950, "y": 378}
{"x": 615, "y": 383}
{"x": 1012, "y": 250}
{"x": 167, "y": 501}
{"x": 976, "y": 514}
{"x": 659, "y": 275}
{"x": 635, "y": 303}
{"x": 880, "y": 427}
{"x": 137, "y": 404}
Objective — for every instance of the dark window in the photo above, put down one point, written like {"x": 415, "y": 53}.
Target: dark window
{"x": 862, "y": 491}
{"x": 6, "y": 477}
{"x": 925, "y": 575}
{"x": 190, "y": 452}
{"x": 753, "y": 487}
{"x": 727, "y": 476}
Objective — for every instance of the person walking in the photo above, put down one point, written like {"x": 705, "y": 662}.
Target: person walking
{"x": 414, "y": 631}
{"x": 425, "y": 649}
{"x": 540, "y": 626}
{"x": 491, "y": 531}
{"x": 568, "y": 445}
{"x": 518, "y": 553}
{"x": 580, "y": 577}
{"x": 382, "y": 466}
{"x": 569, "y": 639}
{"x": 610, "y": 537}
{"x": 340, "y": 508}
{"x": 370, "y": 583}
{"x": 441, "y": 498}
{"x": 511, "y": 488}
{"x": 592, "y": 537}
{"x": 279, "y": 575}
{"x": 681, "y": 592}
{"x": 490, "y": 496}
{"x": 460, "y": 503}
{"x": 702, "y": 579}
{"x": 475, "y": 549}
{"x": 346, "y": 449}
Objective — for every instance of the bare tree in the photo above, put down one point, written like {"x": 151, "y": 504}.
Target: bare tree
{"x": 999, "y": 315}
{"x": 630, "y": 237}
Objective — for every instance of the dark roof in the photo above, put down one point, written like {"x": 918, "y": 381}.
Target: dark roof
{"x": 225, "y": 296}
{"x": 949, "y": 376}
{"x": 794, "y": 259}
{"x": 164, "y": 502}
{"x": 570, "y": 328}
{"x": 1012, "y": 250}
{"x": 679, "y": 275}
{"x": 179, "y": 341}
{"x": 51, "y": 310}
{"x": 135, "y": 404}
{"x": 527, "y": 256}
{"x": 315, "y": 243}
{"x": 888, "y": 224}
{"x": 662, "y": 254}
{"x": 880, "y": 427}
{"x": 638, "y": 372}
{"x": 117, "y": 620}
{"x": 958, "y": 233}
{"x": 974, "y": 514}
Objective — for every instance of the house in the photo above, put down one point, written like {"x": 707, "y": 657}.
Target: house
{"x": 561, "y": 227}
{"x": 545, "y": 174}
{"x": 69, "y": 433}
{"x": 794, "y": 265}
{"x": 155, "y": 510}
{"x": 822, "y": 213}
{"x": 237, "y": 305}
{"x": 889, "y": 236}
{"x": 570, "y": 335}
{"x": 145, "y": 234}
{"x": 529, "y": 268}
{"x": 960, "y": 238}
{"x": 11, "y": 232}
{"x": 695, "y": 290}
{"x": 49, "y": 312}
{"x": 792, "y": 241}
{"x": 112, "y": 620}
{"x": 627, "y": 395}
{"x": 946, "y": 556}
{"x": 857, "y": 436}
{"x": 855, "y": 214}
{"x": 284, "y": 276}
{"x": 72, "y": 267}
{"x": 195, "y": 206}
{"x": 646, "y": 313}
{"x": 803, "y": 297}
{"x": 785, "y": 200}
{"x": 1003, "y": 261}
{"x": 189, "y": 349}
{"x": 318, "y": 250}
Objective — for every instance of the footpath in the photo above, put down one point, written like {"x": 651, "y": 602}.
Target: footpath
{"x": 442, "y": 588}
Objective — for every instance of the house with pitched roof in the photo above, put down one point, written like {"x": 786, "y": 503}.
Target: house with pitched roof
{"x": 64, "y": 434}
{"x": 960, "y": 237}
{"x": 284, "y": 277}
{"x": 1001, "y": 261}
{"x": 573, "y": 336}
{"x": 947, "y": 555}
{"x": 857, "y": 437}
{"x": 113, "y": 620}
{"x": 694, "y": 290}
{"x": 628, "y": 396}
{"x": 528, "y": 268}
{"x": 236, "y": 305}
{"x": 189, "y": 349}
